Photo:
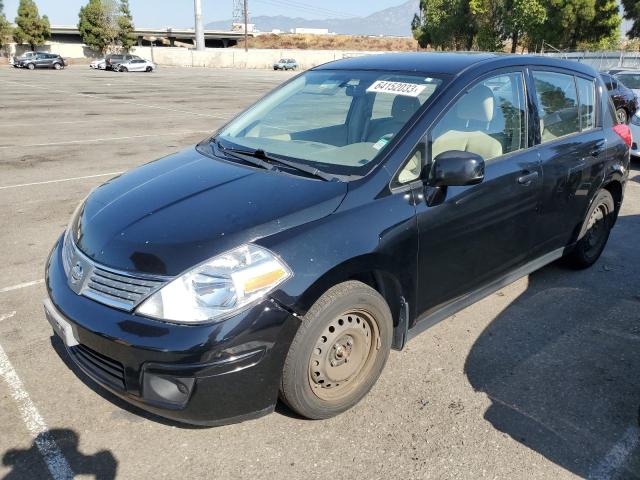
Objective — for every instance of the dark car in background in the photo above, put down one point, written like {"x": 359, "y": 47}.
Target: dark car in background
{"x": 624, "y": 99}
{"x": 350, "y": 209}
{"x": 113, "y": 60}
{"x": 42, "y": 60}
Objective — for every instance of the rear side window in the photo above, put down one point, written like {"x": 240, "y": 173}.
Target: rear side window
{"x": 557, "y": 100}
{"x": 587, "y": 98}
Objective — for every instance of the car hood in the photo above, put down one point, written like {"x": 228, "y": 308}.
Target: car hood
{"x": 169, "y": 215}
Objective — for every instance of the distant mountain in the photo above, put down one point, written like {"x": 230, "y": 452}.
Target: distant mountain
{"x": 394, "y": 21}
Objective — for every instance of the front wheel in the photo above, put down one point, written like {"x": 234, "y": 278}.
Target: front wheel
{"x": 57, "y": 66}
{"x": 621, "y": 115}
{"x": 594, "y": 233}
{"x": 124, "y": 69}
{"x": 31, "y": 66}
{"x": 338, "y": 352}
{"x": 148, "y": 69}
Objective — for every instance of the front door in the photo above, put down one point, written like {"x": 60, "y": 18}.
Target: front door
{"x": 469, "y": 236}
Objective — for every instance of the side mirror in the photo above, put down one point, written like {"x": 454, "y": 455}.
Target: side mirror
{"x": 456, "y": 168}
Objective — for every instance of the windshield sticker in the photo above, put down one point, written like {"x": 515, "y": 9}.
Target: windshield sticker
{"x": 382, "y": 142}
{"x": 398, "y": 88}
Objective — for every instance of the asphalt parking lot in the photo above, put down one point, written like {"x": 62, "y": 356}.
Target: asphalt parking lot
{"x": 540, "y": 380}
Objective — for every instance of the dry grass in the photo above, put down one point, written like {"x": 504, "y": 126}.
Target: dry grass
{"x": 331, "y": 42}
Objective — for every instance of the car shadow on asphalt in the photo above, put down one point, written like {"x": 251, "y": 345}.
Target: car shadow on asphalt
{"x": 135, "y": 412}
{"x": 31, "y": 464}
{"x": 560, "y": 364}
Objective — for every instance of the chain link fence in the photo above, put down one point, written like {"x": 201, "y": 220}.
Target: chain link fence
{"x": 604, "y": 60}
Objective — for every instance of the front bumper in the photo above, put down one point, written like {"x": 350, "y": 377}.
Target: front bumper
{"x": 200, "y": 374}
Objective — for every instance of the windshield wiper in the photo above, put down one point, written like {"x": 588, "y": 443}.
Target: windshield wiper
{"x": 245, "y": 156}
{"x": 266, "y": 160}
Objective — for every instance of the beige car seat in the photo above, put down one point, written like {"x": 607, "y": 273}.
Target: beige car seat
{"x": 477, "y": 106}
{"x": 402, "y": 109}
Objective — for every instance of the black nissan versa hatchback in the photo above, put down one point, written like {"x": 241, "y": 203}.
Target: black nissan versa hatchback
{"x": 351, "y": 208}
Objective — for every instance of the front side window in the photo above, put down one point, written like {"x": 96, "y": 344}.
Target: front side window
{"x": 488, "y": 120}
{"x": 326, "y": 118}
{"x": 557, "y": 100}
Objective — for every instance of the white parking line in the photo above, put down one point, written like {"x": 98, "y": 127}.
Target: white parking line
{"x": 56, "y": 462}
{"x": 21, "y": 285}
{"x": 617, "y": 456}
{"x": 112, "y": 100}
{"x": 44, "y": 182}
{"x": 110, "y": 139}
{"x": 7, "y": 316}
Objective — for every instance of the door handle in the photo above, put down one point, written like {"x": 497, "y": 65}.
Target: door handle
{"x": 528, "y": 178}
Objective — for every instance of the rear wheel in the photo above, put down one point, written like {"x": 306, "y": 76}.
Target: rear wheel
{"x": 594, "y": 233}
{"x": 338, "y": 352}
{"x": 621, "y": 115}
{"x": 31, "y": 66}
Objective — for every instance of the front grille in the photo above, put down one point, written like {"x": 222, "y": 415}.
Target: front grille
{"x": 117, "y": 289}
{"x": 104, "y": 368}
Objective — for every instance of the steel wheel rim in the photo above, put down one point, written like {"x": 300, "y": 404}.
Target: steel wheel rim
{"x": 343, "y": 355}
{"x": 596, "y": 229}
{"x": 622, "y": 116}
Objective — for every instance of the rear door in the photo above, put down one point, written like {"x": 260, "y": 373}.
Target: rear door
{"x": 572, "y": 152}
{"x": 476, "y": 234}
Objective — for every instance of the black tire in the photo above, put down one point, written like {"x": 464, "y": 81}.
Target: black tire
{"x": 31, "y": 66}
{"x": 124, "y": 69}
{"x": 361, "y": 329}
{"x": 57, "y": 66}
{"x": 594, "y": 233}
{"x": 148, "y": 69}
{"x": 622, "y": 116}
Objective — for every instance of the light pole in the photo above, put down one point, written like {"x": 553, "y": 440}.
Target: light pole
{"x": 197, "y": 7}
{"x": 246, "y": 23}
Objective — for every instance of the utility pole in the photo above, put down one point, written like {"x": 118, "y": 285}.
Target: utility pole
{"x": 197, "y": 7}
{"x": 246, "y": 24}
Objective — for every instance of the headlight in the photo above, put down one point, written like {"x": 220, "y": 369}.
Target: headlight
{"x": 219, "y": 287}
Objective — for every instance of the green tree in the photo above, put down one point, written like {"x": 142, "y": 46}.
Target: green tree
{"x": 5, "y": 30}
{"x": 632, "y": 12}
{"x": 575, "y": 23}
{"x": 488, "y": 17}
{"x": 523, "y": 17}
{"x": 97, "y": 27}
{"x": 125, "y": 26}
{"x": 30, "y": 27}
{"x": 445, "y": 24}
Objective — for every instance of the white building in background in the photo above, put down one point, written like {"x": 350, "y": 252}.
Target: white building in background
{"x": 311, "y": 31}
{"x": 239, "y": 27}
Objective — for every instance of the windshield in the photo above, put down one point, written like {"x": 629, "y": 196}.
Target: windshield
{"x": 631, "y": 80}
{"x": 338, "y": 121}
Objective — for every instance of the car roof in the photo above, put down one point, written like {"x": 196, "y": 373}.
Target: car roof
{"x": 622, "y": 72}
{"x": 448, "y": 63}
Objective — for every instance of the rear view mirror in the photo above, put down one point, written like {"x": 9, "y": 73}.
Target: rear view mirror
{"x": 456, "y": 168}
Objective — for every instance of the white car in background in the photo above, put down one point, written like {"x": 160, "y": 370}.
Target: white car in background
{"x": 137, "y": 65}
{"x": 99, "y": 64}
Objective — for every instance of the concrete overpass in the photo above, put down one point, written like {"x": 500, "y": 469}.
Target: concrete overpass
{"x": 167, "y": 36}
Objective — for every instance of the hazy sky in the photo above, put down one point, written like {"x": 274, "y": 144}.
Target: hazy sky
{"x": 179, "y": 13}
